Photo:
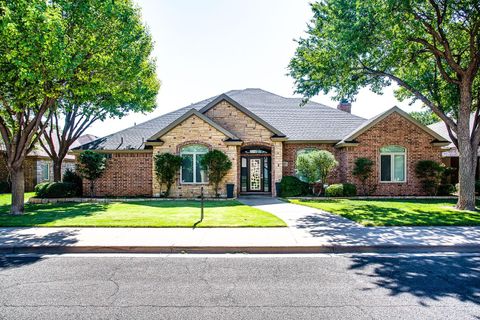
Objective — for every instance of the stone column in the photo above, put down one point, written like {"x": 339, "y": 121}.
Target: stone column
{"x": 277, "y": 164}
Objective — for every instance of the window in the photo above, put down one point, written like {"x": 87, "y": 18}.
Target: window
{"x": 45, "y": 171}
{"x": 299, "y": 152}
{"x": 191, "y": 169}
{"x": 392, "y": 164}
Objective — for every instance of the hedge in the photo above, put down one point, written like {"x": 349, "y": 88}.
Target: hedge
{"x": 56, "y": 190}
{"x": 341, "y": 190}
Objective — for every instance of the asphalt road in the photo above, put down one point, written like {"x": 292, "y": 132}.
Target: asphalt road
{"x": 240, "y": 287}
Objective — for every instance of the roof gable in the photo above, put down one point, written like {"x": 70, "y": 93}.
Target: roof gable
{"x": 185, "y": 116}
{"x": 373, "y": 121}
{"x": 225, "y": 97}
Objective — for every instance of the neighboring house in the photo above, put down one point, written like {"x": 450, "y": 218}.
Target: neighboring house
{"x": 262, "y": 133}
{"x": 450, "y": 152}
{"x": 39, "y": 168}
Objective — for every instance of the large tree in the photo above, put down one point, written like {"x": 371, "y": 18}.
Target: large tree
{"x": 429, "y": 48}
{"x": 54, "y": 50}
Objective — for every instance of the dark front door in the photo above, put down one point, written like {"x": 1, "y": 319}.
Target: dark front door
{"x": 255, "y": 174}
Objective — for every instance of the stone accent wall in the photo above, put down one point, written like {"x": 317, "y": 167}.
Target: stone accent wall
{"x": 40, "y": 163}
{"x": 393, "y": 130}
{"x": 127, "y": 174}
{"x": 290, "y": 155}
{"x": 196, "y": 131}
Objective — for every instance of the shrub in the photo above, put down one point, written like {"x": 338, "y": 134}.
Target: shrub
{"x": 55, "y": 190}
{"x": 166, "y": 169}
{"x": 341, "y": 190}
{"x": 430, "y": 174}
{"x": 216, "y": 164}
{"x": 91, "y": 166}
{"x": 5, "y": 187}
{"x": 316, "y": 165}
{"x": 445, "y": 189}
{"x": 363, "y": 168}
{"x": 71, "y": 176}
{"x": 293, "y": 187}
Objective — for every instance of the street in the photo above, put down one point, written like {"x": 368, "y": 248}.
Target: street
{"x": 356, "y": 286}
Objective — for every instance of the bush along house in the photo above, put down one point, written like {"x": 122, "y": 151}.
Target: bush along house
{"x": 262, "y": 134}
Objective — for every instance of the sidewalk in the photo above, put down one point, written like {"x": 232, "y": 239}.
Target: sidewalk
{"x": 309, "y": 231}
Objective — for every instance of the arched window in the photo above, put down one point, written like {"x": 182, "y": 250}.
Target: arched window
{"x": 392, "y": 164}
{"x": 191, "y": 169}
{"x": 299, "y": 152}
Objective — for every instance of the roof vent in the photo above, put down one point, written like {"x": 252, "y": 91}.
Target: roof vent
{"x": 345, "y": 106}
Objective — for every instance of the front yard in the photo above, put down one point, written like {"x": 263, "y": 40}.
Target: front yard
{"x": 397, "y": 212}
{"x": 160, "y": 213}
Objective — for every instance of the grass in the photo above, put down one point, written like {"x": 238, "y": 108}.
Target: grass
{"x": 397, "y": 212}
{"x": 137, "y": 214}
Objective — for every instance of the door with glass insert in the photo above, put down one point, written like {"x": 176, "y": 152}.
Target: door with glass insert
{"x": 255, "y": 174}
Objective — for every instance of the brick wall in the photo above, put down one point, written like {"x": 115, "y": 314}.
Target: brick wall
{"x": 393, "y": 130}
{"x": 127, "y": 174}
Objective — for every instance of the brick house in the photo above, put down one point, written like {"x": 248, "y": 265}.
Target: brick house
{"x": 262, "y": 133}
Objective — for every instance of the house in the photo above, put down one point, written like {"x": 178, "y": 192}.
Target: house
{"x": 262, "y": 133}
{"x": 38, "y": 166}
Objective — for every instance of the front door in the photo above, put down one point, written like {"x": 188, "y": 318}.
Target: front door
{"x": 255, "y": 174}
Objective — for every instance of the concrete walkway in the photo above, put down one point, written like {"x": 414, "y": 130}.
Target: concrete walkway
{"x": 309, "y": 230}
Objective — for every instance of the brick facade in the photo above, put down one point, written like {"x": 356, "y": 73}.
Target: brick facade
{"x": 127, "y": 174}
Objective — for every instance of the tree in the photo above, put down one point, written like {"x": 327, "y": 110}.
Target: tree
{"x": 53, "y": 50}
{"x": 430, "y": 49}
{"x": 430, "y": 173}
{"x": 216, "y": 164}
{"x": 425, "y": 117}
{"x": 91, "y": 166}
{"x": 363, "y": 168}
{"x": 167, "y": 166}
{"x": 316, "y": 166}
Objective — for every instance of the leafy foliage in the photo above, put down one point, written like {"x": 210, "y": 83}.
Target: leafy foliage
{"x": 216, "y": 164}
{"x": 56, "y": 190}
{"x": 293, "y": 187}
{"x": 430, "y": 174}
{"x": 91, "y": 166}
{"x": 166, "y": 169}
{"x": 426, "y": 117}
{"x": 315, "y": 166}
{"x": 341, "y": 190}
{"x": 363, "y": 169}
{"x": 430, "y": 49}
{"x": 70, "y": 176}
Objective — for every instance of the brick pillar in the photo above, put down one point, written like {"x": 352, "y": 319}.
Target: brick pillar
{"x": 277, "y": 165}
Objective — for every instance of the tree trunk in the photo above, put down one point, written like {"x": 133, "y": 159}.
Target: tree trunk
{"x": 57, "y": 169}
{"x": 466, "y": 176}
{"x": 18, "y": 190}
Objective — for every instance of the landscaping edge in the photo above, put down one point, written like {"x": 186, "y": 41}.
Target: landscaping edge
{"x": 34, "y": 200}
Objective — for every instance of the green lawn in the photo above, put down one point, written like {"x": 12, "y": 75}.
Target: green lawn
{"x": 397, "y": 212}
{"x": 137, "y": 214}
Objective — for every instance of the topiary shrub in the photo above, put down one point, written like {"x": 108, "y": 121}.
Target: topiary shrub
{"x": 71, "y": 176}
{"x": 216, "y": 164}
{"x": 363, "y": 169}
{"x": 167, "y": 166}
{"x": 55, "y": 190}
{"x": 446, "y": 189}
{"x": 334, "y": 190}
{"x": 341, "y": 190}
{"x": 91, "y": 166}
{"x": 293, "y": 187}
{"x": 430, "y": 174}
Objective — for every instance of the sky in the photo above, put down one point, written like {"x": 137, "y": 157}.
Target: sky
{"x": 204, "y": 48}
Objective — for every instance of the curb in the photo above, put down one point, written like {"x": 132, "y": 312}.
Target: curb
{"x": 241, "y": 249}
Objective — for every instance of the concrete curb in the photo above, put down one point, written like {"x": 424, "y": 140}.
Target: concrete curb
{"x": 241, "y": 249}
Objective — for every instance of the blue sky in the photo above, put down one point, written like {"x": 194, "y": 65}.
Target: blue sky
{"x": 204, "y": 48}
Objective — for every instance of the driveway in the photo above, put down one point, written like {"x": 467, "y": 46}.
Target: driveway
{"x": 310, "y": 225}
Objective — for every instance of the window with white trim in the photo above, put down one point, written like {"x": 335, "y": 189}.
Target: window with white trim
{"x": 299, "y": 152}
{"x": 45, "y": 171}
{"x": 392, "y": 164}
{"x": 192, "y": 171}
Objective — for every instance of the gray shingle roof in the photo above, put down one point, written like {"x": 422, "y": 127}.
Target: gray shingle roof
{"x": 311, "y": 122}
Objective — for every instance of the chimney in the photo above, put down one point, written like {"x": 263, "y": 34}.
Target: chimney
{"x": 344, "y": 105}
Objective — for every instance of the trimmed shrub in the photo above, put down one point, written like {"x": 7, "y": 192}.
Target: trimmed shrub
{"x": 293, "y": 187}
{"x": 341, "y": 190}
{"x": 216, "y": 164}
{"x": 5, "y": 187}
{"x": 363, "y": 169}
{"x": 166, "y": 169}
{"x": 55, "y": 190}
{"x": 91, "y": 166}
{"x": 430, "y": 174}
{"x": 445, "y": 189}
{"x": 71, "y": 176}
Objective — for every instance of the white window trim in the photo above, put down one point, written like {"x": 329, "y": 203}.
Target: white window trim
{"x": 48, "y": 172}
{"x": 194, "y": 168}
{"x": 392, "y": 168}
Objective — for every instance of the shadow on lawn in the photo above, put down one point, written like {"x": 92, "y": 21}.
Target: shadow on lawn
{"x": 433, "y": 277}
{"x": 40, "y": 214}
